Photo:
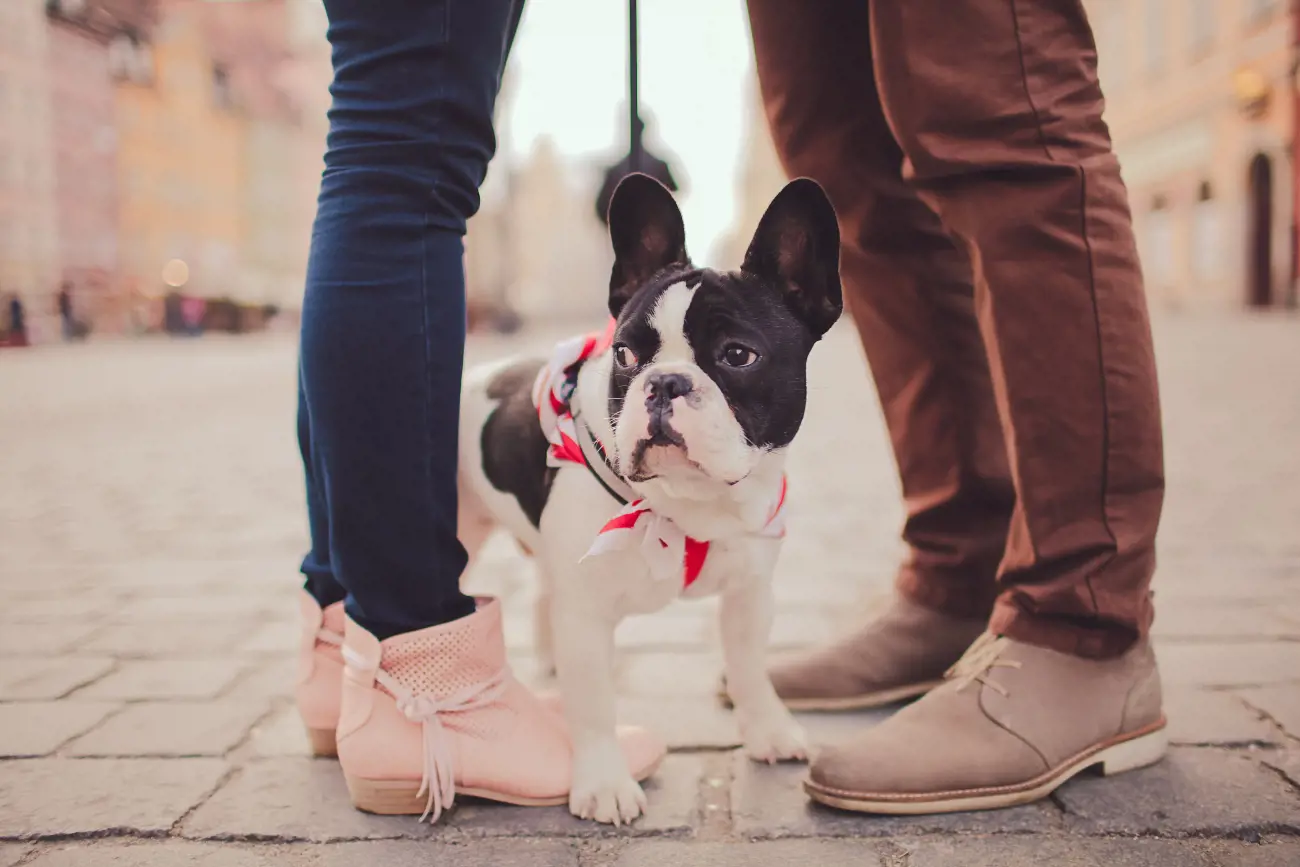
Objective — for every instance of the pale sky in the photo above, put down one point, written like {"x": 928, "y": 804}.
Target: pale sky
{"x": 571, "y": 58}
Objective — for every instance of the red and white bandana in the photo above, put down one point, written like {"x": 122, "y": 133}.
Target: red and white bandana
{"x": 554, "y": 387}
{"x": 668, "y": 551}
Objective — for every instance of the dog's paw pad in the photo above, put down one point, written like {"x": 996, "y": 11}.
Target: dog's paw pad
{"x": 616, "y": 802}
{"x": 783, "y": 743}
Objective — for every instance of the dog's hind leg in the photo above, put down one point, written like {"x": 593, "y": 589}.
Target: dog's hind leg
{"x": 543, "y": 634}
{"x": 474, "y": 523}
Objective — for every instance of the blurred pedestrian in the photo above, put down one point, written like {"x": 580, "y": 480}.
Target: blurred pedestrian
{"x": 17, "y": 322}
{"x": 383, "y": 336}
{"x": 647, "y": 163}
{"x": 990, "y": 267}
{"x": 66, "y": 318}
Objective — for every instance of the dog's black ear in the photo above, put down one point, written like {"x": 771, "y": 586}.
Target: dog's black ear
{"x": 646, "y": 229}
{"x": 797, "y": 246}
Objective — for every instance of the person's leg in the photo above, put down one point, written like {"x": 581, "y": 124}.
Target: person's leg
{"x": 384, "y": 312}
{"x": 999, "y": 113}
{"x": 425, "y": 674}
{"x": 320, "y": 584}
{"x": 908, "y": 288}
{"x": 997, "y": 110}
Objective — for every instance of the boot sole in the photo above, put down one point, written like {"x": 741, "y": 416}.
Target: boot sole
{"x": 1125, "y": 753}
{"x": 402, "y": 798}
{"x": 866, "y": 701}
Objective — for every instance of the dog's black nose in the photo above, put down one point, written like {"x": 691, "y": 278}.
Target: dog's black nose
{"x": 663, "y": 387}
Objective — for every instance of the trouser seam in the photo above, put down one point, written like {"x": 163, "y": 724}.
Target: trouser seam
{"x": 1096, "y": 313}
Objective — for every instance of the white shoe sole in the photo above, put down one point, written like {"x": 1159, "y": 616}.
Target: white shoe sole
{"x": 1126, "y": 753}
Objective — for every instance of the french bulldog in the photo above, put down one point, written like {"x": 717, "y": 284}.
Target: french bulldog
{"x": 648, "y": 463}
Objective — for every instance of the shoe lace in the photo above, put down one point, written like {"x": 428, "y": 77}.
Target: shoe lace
{"x": 438, "y": 780}
{"x": 980, "y": 658}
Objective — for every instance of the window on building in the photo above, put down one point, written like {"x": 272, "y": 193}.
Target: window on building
{"x": 1158, "y": 245}
{"x": 1207, "y": 235}
{"x": 1156, "y": 27}
{"x": 1201, "y": 25}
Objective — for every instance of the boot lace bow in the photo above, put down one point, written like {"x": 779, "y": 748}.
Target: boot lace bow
{"x": 438, "y": 782}
{"x": 981, "y": 658}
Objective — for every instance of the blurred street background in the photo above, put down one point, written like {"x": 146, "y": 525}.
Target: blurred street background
{"x": 158, "y": 166}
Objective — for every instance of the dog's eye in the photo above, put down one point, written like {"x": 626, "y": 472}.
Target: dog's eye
{"x": 624, "y": 356}
{"x": 735, "y": 355}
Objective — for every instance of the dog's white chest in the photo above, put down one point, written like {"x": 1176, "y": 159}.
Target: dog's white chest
{"x": 631, "y": 582}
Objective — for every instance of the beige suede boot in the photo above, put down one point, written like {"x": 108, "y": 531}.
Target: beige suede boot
{"x": 899, "y": 655}
{"x": 1011, "y": 724}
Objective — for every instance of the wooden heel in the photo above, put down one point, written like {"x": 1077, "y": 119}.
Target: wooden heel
{"x": 323, "y": 744}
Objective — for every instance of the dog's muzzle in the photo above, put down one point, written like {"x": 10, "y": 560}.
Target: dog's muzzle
{"x": 661, "y": 390}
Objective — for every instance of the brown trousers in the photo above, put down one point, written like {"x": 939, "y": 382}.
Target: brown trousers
{"x": 990, "y": 267}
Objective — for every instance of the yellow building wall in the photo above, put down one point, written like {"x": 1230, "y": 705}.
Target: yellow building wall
{"x": 183, "y": 169}
{"x": 1172, "y": 73}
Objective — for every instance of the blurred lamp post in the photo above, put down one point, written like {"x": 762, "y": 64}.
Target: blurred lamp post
{"x": 633, "y": 100}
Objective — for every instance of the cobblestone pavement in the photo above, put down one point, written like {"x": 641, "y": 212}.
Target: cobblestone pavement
{"x": 151, "y": 525}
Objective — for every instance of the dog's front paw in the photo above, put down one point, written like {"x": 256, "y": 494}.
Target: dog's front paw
{"x": 776, "y": 740}
{"x": 603, "y": 789}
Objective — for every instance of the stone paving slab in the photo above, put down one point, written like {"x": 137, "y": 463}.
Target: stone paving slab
{"x": 1269, "y": 852}
{"x": 170, "y": 853}
{"x": 292, "y": 799}
{"x": 209, "y": 728}
{"x": 40, "y": 639}
{"x": 1285, "y": 763}
{"x": 769, "y": 802}
{"x": 176, "y": 853}
{"x": 166, "y": 639}
{"x": 12, "y": 853}
{"x": 657, "y": 675}
{"x": 1229, "y": 664}
{"x": 1203, "y": 717}
{"x": 674, "y": 805}
{"x": 1192, "y": 792}
{"x": 44, "y": 797}
{"x": 1030, "y": 852}
{"x": 83, "y": 606}
{"x": 280, "y": 734}
{"x": 781, "y": 853}
{"x": 1281, "y": 703}
{"x": 49, "y": 678}
{"x": 274, "y": 678}
{"x": 166, "y": 679}
{"x": 1181, "y": 621}
{"x": 477, "y": 853}
{"x": 39, "y": 728}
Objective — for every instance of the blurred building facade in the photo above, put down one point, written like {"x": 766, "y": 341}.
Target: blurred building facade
{"x": 1201, "y": 105}
{"x": 29, "y": 248}
{"x": 83, "y": 121}
{"x": 536, "y": 249}
{"x": 156, "y": 147}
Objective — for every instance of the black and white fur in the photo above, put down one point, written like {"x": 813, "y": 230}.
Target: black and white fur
{"x": 695, "y": 403}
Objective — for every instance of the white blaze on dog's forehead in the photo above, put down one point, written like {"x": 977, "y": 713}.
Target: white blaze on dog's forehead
{"x": 669, "y": 319}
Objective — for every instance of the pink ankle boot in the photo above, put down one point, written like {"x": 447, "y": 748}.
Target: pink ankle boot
{"x": 320, "y": 673}
{"x": 435, "y": 712}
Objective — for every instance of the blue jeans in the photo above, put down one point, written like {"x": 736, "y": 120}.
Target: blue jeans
{"x": 383, "y": 320}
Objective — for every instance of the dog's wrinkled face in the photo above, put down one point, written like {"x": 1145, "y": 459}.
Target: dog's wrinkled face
{"x": 709, "y": 368}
